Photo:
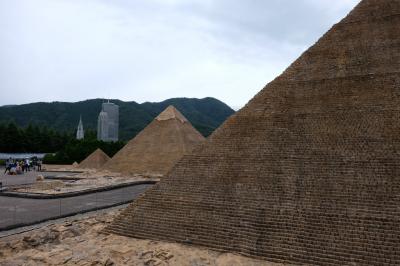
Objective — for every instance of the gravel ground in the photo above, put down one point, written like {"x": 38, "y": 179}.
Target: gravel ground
{"x": 79, "y": 240}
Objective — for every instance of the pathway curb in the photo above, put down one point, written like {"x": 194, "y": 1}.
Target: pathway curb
{"x": 14, "y": 226}
{"x": 74, "y": 193}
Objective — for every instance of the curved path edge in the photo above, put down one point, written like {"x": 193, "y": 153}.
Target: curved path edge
{"x": 14, "y": 226}
{"x": 74, "y": 193}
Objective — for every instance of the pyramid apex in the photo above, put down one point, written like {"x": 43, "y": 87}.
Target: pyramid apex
{"x": 372, "y": 9}
{"x": 99, "y": 151}
{"x": 95, "y": 160}
{"x": 306, "y": 168}
{"x": 171, "y": 113}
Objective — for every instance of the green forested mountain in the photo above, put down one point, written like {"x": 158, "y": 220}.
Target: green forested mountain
{"x": 205, "y": 114}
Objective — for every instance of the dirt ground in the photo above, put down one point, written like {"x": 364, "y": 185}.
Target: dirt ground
{"x": 80, "y": 241}
{"x": 56, "y": 167}
{"x": 88, "y": 179}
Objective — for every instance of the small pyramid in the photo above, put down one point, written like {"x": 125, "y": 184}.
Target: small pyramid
{"x": 157, "y": 147}
{"x": 95, "y": 160}
{"x": 308, "y": 172}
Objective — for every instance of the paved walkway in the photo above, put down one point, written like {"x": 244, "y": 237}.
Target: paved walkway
{"x": 19, "y": 211}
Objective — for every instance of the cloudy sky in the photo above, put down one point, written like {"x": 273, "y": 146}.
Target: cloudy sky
{"x": 151, "y": 50}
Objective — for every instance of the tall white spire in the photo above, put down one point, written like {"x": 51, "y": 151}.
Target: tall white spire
{"x": 80, "y": 133}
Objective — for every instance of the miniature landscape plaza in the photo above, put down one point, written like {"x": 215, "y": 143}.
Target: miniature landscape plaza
{"x": 308, "y": 171}
{"x": 157, "y": 148}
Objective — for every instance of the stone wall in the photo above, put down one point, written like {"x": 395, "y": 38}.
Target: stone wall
{"x": 308, "y": 172}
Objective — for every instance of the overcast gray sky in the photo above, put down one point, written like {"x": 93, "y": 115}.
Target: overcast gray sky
{"x": 151, "y": 50}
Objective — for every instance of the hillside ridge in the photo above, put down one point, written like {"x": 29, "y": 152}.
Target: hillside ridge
{"x": 205, "y": 114}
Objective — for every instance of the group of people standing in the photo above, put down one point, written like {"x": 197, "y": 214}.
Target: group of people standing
{"x": 18, "y": 167}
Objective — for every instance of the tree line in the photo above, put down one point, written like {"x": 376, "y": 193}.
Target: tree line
{"x": 61, "y": 147}
{"x": 14, "y": 139}
{"x": 78, "y": 150}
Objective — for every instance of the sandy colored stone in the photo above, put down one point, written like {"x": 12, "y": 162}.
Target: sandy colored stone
{"x": 95, "y": 160}
{"x": 93, "y": 247}
{"x": 171, "y": 113}
{"x": 88, "y": 179}
{"x": 156, "y": 149}
{"x": 57, "y": 167}
{"x": 308, "y": 171}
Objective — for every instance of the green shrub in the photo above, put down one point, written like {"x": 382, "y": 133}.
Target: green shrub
{"x": 78, "y": 150}
{"x": 50, "y": 158}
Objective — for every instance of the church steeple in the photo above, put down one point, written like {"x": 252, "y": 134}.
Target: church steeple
{"x": 80, "y": 133}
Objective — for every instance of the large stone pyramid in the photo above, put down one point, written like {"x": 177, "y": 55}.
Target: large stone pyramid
{"x": 308, "y": 172}
{"x": 95, "y": 160}
{"x": 157, "y": 148}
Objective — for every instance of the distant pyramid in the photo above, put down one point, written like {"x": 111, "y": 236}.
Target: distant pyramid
{"x": 157, "y": 147}
{"x": 95, "y": 160}
{"x": 308, "y": 172}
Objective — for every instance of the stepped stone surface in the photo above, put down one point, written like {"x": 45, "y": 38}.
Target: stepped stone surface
{"x": 95, "y": 160}
{"x": 156, "y": 149}
{"x": 171, "y": 113}
{"x": 308, "y": 172}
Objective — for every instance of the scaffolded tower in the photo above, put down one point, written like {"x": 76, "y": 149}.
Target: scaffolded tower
{"x": 308, "y": 172}
{"x": 108, "y": 122}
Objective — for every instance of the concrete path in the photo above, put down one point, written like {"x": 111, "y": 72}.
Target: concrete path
{"x": 19, "y": 211}
{"x": 71, "y": 218}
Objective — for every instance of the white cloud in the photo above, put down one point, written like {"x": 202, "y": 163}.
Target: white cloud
{"x": 156, "y": 49}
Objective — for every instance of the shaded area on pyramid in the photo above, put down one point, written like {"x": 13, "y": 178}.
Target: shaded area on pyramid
{"x": 308, "y": 171}
{"x": 157, "y": 148}
{"x": 95, "y": 160}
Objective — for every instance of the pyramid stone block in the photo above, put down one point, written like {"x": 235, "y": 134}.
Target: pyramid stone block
{"x": 156, "y": 149}
{"x": 95, "y": 160}
{"x": 308, "y": 172}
